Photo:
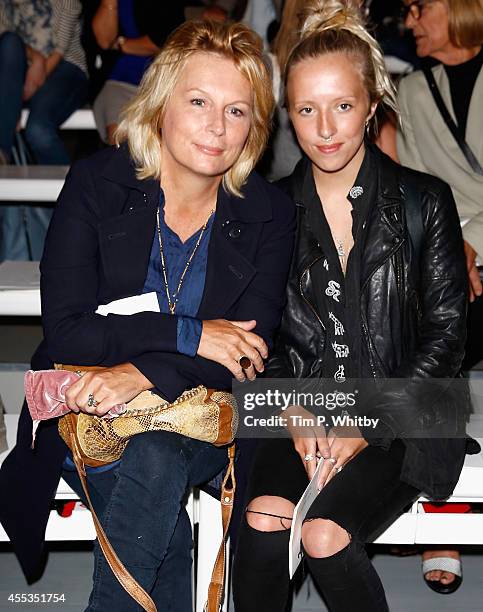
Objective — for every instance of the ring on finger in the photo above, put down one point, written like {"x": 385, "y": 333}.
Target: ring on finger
{"x": 244, "y": 362}
{"x": 333, "y": 460}
{"x": 91, "y": 402}
{"x": 309, "y": 457}
{"x": 338, "y": 469}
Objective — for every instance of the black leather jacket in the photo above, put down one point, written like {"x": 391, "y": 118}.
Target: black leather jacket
{"x": 411, "y": 328}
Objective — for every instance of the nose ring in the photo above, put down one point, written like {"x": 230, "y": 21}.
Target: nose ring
{"x": 328, "y": 139}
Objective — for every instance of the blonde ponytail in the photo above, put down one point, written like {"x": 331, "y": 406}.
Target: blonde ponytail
{"x": 337, "y": 26}
{"x": 323, "y": 15}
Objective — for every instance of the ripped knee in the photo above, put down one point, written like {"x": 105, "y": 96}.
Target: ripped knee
{"x": 323, "y": 538}
{"x": 270, "y": 513}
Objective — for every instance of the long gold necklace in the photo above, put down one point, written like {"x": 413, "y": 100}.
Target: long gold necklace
{"x": 172, "y": 304}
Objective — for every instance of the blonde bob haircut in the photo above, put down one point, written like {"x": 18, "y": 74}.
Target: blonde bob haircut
{"x": 336, "y": 26}
{"x": 142, "y": 119}
{"x": 465, "y": 22}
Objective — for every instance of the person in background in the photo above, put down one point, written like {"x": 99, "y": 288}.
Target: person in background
{"x": 136, "y": 29}
{"x": 3, "y": 429}
{"x": 283, "y": 150}
{"x": 260, "y": 15}
{"x": 449, "y": 38}
{"x": 42, "y": 67}
{"x": 215, "y": 10}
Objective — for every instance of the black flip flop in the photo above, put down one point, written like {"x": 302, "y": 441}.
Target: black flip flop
{"x": 443, "y": 564}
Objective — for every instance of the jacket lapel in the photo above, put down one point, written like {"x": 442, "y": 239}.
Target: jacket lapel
{"x": 385, "y": 227}
{"x": 228, "y": 273}
{"x": 308, "y": 249}
{"x": 473, "y": 124}
{"x": 126, "y": 234}
{"x": 442, "y": 82}
{"x": 237, "y": 227}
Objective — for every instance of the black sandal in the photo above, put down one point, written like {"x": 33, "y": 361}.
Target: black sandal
{"x": 443, "y": 564}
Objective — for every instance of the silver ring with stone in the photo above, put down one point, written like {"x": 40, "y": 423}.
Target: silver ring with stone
{"x": 309, "y": 457}
{"x": 91, "y": 402}
{"x": 333, "y": 460}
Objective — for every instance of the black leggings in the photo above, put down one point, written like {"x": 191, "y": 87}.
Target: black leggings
{"x": 364, "y": 498}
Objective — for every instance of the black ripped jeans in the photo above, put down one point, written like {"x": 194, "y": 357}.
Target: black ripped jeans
{"x": 363, "y": 498}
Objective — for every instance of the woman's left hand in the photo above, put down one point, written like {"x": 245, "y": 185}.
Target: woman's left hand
{"x": 35, "y": 75}
{"x": 107, "y": 388}
{"x": 343, "y": 448}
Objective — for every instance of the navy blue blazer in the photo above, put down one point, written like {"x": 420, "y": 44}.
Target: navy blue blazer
{"x": 97, "y": 250}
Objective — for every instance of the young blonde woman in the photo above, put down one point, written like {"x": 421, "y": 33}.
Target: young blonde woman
{"x": 358, "y": 307}
{"x": 174, "y": 209}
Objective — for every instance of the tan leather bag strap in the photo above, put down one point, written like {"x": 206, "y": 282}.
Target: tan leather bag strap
{"x": 135, "y": 590}
{"x": 217, "y": 584}
{"x": 126, "y": 580}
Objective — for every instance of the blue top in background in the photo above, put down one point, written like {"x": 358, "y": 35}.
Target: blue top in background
{"x": 129, "y": 68}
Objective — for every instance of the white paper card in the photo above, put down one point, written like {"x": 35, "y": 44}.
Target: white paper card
{"x": 295, "y": 543}
{"x": 146, "y": 302}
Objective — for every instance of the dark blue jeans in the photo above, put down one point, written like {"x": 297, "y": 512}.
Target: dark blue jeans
{"x": 140, "y": 504}
{"x": 23, "y": 228}
{"x": 63, "y": 92}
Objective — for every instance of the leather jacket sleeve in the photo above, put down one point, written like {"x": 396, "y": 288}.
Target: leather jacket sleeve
{"x": 438, "y": 347}
{"x": 442, "y": 295}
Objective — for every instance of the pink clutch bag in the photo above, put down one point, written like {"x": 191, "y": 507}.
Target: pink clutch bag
{"x": 45, "y": 395}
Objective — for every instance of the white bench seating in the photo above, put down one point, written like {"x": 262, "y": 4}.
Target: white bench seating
{"x": 31, "y": 183}
{"x": 82, "y": 119}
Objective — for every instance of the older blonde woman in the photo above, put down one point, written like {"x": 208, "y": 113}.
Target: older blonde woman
{"x": 174, "y": 209}
{"x": 450, "y": 32}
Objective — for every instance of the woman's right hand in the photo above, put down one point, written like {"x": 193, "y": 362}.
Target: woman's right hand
{"x": 226, "y": 341}
{"x": 308, "y": 440}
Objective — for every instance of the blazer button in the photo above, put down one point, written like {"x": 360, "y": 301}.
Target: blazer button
{"x": 234, "y": 232}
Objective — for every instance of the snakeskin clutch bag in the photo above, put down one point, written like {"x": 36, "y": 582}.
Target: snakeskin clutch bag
{"x": 200, "y": 413}
{"x": 204, "y": 414}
